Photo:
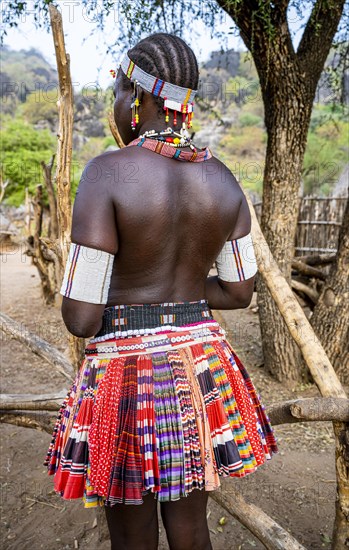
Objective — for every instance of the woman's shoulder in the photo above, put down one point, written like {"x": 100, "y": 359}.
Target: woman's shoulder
{"x": 217, "y": 170}
{"x": 115, "y": 155}
{"x": 107, "y": 157}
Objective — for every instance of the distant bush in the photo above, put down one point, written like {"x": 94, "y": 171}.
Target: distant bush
{"x": 249, "y": 119}
{"x": 40, "y": 106}
{"x": 243, "y": 151}
{"x": 325, "y": 155}
{"x": 23, "y": 148}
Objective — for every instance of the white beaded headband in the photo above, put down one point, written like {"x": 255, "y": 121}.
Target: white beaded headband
{"x": 175, "y": 97}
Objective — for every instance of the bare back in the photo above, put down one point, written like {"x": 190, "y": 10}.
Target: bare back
{"x": 166, "y": 220}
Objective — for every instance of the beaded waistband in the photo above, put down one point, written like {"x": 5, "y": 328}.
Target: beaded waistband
{"x": 139, "y": 319}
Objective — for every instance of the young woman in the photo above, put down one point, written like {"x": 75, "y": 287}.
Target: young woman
{"x": 162, "y": 406}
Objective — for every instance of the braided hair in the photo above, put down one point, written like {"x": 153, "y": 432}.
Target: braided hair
{"x": 168, "y": 57}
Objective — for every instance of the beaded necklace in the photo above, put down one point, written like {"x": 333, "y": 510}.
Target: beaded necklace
{"x": 171, "y": 137}
{"x": 168, "y": 143}
{"x": 165, "y": 150}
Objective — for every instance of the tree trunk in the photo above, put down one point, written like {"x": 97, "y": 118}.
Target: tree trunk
{"x": 44, "y": 265}
{"x": 288, "y": 82}
{"x": 340, "y": 537}
{"x": 287, "y": 117}
{"x": 331, "y": 314}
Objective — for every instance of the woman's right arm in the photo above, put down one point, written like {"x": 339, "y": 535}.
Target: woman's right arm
{"x": 222, "y": 294}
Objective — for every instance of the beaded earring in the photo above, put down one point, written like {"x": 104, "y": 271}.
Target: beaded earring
{"x": 134, "y": 106}
{"x": 167, "y": 116}
{"x": 190, "y": 116}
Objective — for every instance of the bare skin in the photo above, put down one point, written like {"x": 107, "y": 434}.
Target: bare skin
{"x": 165, "y": 221}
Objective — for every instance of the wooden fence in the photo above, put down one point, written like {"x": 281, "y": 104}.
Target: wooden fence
{"x": 318, "y": 225}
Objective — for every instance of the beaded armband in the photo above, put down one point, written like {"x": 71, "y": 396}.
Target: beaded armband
{"x": 237, "y": 260}
{"x": 87, "y": 274}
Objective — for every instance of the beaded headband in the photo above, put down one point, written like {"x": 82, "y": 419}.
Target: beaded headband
{"x": 175, "y": 97}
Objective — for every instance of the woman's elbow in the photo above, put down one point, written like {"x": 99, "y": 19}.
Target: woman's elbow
{"x": 245, "y": 301}
{"x": 81, "y": 319}
{"x": 239, "y": 295}
{"x": 246, "y": 295}
{"x": 80, "y": 331}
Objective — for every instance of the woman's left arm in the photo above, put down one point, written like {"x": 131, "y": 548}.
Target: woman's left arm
{"x": 94, "y": 244}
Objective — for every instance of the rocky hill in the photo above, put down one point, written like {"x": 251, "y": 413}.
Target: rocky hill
{"x": 24, "y": 72}
{"x": 29, "y": 86}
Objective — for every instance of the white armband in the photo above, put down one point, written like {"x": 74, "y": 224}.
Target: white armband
{"x": 87, "y": 274}
{"x": 237, "y": 260}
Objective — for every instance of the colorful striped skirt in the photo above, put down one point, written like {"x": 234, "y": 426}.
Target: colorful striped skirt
{"x": 161, "y": 404}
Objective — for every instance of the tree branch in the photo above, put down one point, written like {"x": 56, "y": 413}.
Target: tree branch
{"x": 42, "y": 421}
{"x": 311, "y": 409}
{"x": 311, "y": 293}
{"x": 318, "y": 35}
{"x": 244, "y": 18}
{"x": 264, "y": 29}
{"x": 37, "y": 345}
{"x": 29, "y": 402}
{"x": 270, "y": 533}
{"x": 308, "y": 270}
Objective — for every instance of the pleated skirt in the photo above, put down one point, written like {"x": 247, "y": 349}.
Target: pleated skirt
{"x": 162, "y": 405}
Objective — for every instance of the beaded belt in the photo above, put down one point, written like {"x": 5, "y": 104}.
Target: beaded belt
{"x": 141, "y": 319}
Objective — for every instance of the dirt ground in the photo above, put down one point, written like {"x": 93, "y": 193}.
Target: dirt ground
{"x": 296, "y": 488}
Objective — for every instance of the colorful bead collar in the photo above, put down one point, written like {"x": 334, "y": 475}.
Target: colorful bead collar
{"x": 166, "y": 150}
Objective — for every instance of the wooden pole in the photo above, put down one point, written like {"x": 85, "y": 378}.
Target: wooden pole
{"x": 28, "y": 213}
{"x": 64, "y": 156}
{"x": 300, "y": 329}
{"x": 65, "y": 134}
{"x": 114, "y": 130}
{"x": 52, "y": 201}
{"x": 311, "y": 409}
{"x": 3, "y": 185}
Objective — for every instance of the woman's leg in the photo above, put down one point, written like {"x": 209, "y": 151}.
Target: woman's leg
{"x": 132, "y": 526}
{"x": 185, "y": 522}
